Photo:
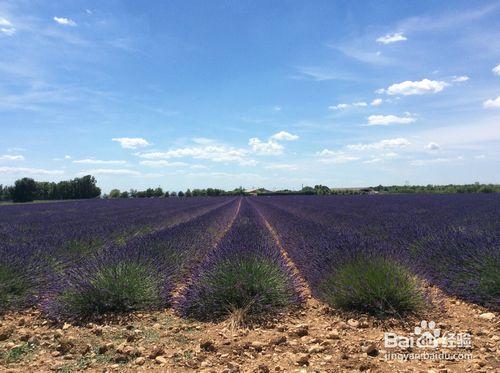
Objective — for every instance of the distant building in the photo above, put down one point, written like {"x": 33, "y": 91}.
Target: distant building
{"x": 254, "y": 192}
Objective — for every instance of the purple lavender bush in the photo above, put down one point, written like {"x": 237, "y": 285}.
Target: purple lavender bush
{"x": 245, "y": 272}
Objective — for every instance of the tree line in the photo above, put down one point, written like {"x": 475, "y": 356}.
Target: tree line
{"x": 27, "y": 190}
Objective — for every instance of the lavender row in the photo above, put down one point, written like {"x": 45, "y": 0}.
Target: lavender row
{"x": 245, "y": 272}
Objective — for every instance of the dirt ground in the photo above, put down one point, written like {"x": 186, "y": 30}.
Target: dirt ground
{"x": 312, "y": 338}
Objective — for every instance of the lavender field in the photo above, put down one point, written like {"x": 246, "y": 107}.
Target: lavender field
{"x": 208, "y": 257}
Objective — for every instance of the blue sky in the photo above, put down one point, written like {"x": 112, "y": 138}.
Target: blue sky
{"x": 254, "y": 93}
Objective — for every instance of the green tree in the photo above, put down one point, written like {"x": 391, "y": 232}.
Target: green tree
{"x": 115, "y": 193}
{"x": 25, "y": 190}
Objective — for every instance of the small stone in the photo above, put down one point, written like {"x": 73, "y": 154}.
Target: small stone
{"x": 66, "y": 326}
{"x": 353, "y": 323}
{"x": 21, "y": 322}
{"x": 208, "y": 346}
{"x": 487, "y": 316}
{"x": 5, "y": 333}
{"x": 257, "y": 346}
{"x": 303, "y": 360}
{"x": 161, "y": 360}
{"x": 65, "y": 346}
{"x": 140, "y": 361}
{"x": 300, "y": 330}
{"x": 371, "y": 350}
{"x": 334, "y": 334}
{"x": 263, "y": 368}
{"x": 157, "y": 351}
{"x": 278, "y": 340}
{"x": 316, "y": 349}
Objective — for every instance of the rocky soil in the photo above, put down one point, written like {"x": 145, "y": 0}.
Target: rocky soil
{"x": 312, "y": 338}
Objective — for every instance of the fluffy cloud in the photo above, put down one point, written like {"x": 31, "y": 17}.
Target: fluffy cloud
{"x": 64, "y": 21}
{"x": 163, "y": 163}
{"x": 28, "y": 171}
{"x": 215, "y": 153}
{"x": 492, "y": 103}
{"x": 281, "y": 166}
{"x": 425, "y": 162}
{"x": 409, "y": 87}
{"x": 394, "y": 143}
{"x": 376, "y": 102}
{"x": 496, "y": 70}
{"x": 336, "y": 157}
{"x": 284, "y": 136}
{"x": 131, "y": 142}
{"x": 432, "y": 146}
{"x": 110, "y": 171}
{"x": 391, "y": 38}
{"x": 269, "y": 147}
{"x": 386, "y": 120}
{"x": 459, "y": 79}
{"x": 97, "y": 161}
{"x": 6, "y": 27}
{"x": 346, "y": 106}
{"x": 8, "y": 157}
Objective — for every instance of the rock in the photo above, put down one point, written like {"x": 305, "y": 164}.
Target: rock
{"x": 353, "y": 323}
{"x": 21, "y": 322}
{"x": 140, "y": 361}
{"x": 161, "y": 360}
{"x": 257, "y": 346}
{"x": 157, "y": 351}
{"x": 24, "y": 335}
{"x": 278, "y": 340}
{"x": 208, "y": 346}
{"x": 66, "y": 326}
{"x": 303, "y": 360}
{"x": 263, "y": 368}
{"x": 334, "y": 334}
{"x": 371, "y": 350}
{"x": 316, "y": 349}
{"x": 5, "y": 333}
{"x": 300, "y": 331}
{"x": 65, "y": 346}
{"x": 487, "y": 316}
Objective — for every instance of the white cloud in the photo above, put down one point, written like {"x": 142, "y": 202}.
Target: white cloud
{"x": 425, "y": 162}
{"x": 459, "y": 79}
{"x": 386, "y": 120}
{"x": 8, "y": 157}
{"x": 373, "y": 160}
{"x": 67, "y": 157}
{"x": 5, "y": 22}
{"x": 339, "y": 106}
{"x": 492, "y": 103}
{"x": 432, "y": 146}
{"x": 28, "y": 171}
{"x": 496, "y": 70}
{"x": 409, "y": 87}
{"x": 479, "y": 156}
{"x": 110, "y": 171}
{"x": 64, "y": 21}
{"x": 277, "y": 108}
{"x": 284, "y": 136}
{"x": 269, "y": 147}
{"x": 376, "y": 102}
{"x": 203, "y": 140}
{"x": 215, "y": 153}
{"x": 359, "y": 104}
{"x": 9, "y": 31}
{"x": 131, "y": 142}
{"x": 281, "y": 166}
{"x": 392, "y": 38}
{"x": 336, "y": 157}
{"x": 398, "y": 142}
{"x": 163, "y": 163}
{"x": 97, "y": 161}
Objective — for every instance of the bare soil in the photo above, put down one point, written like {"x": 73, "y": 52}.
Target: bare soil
{"x": 312, "y": 338}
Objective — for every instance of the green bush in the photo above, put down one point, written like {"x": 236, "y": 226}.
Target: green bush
{"x": 122, "y": 287}
{"x": 254, "y": 284}
{"x": 14, "y": 288}
{"x": 375, "y": 285}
